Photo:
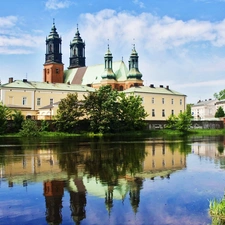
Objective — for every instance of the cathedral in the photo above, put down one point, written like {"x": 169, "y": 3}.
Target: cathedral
{"x": 115, "y": 74}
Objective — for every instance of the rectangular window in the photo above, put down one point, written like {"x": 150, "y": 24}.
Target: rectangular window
{"x": 180, "y": 101}
{"x": 51, "y": 101}
{"x": 172, "y": 112}
{"x": 163, "y": 101}
{"x": 172, "y": 101}
{"x": 38, "y": 101}
{"x": 163, "y": 113}
{"x": 24, "y": 100}
{"x": 153, "y": 100}
{"x": 153, "y": 112}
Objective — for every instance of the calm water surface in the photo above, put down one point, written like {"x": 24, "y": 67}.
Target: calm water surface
{"x": 110, "y": 181}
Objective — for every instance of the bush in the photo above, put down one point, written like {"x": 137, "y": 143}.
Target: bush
{"x": 29, "y": 129}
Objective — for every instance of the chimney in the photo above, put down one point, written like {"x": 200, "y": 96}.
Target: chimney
{"x": 10, "y": 79}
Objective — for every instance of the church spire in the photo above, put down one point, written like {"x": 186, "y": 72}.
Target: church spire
{"x": 108, "y": 73}
{"x": 77, "y": 51}
{"x": 53, "y": 46}
{"x": 53, "y": 66}
{"x": 133, "y": 65}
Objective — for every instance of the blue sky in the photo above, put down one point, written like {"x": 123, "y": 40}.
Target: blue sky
{"x": 181, "y": 43}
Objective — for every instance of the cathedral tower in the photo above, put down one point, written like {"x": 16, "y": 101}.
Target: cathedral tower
{"x": 77, "y": 52}
{"x": 108, "y": 73}
{"x": 134, "y": 76}
{"x": 133, "y": 66}
{"x": 53, "y": 67}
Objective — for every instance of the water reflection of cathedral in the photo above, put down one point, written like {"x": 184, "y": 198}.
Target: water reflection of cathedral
{"x": 70, "y": 173}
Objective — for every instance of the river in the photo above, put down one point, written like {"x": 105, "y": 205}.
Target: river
{"x": 98, "y": 181}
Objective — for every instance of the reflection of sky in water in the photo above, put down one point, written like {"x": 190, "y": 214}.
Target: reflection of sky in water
{"x": 182, "y": 199}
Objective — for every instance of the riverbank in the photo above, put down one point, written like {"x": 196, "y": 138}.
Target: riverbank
{"x": 148, "y": 133}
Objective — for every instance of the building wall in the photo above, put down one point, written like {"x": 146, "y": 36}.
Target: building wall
{"x": 204, "y": 110}
{"x": 15, "y": 97}
{"x": 38, "y": 98}
{"x": 160, "y": 102}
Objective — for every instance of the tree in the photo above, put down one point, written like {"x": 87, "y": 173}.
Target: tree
{"x": 132, "y": 112}
{"x": 182, "y": 122}
{"x": 102, "y": 109}
{"x": 188, "y": 109}
{"x": 111, "y": 111}
{"x": 29, "y": 128}
{"x": 219, "y": 113}
{"x": 172, "y": 122}
{"x": 4, "y": 115}
{"x": 220, "y": 95}
{"x": 18, "y": 119}
{"x": 69, "y": 113}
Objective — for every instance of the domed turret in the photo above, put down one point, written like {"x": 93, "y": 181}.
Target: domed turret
{"x": 53, "y": 47}
{"x": 108, "y": 73}
{"x": 133, "y": 66}
{"x": 77, "y": 51}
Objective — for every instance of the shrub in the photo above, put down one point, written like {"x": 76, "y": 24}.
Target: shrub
{"x": 29, "y": 129}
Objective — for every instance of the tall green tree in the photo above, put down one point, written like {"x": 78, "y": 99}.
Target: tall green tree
{"x": 4, "y": 115}
{"x": 102, "y": 109}
{"x": 219, "y": 113}
{"x": 132, "y": 112}
{"x": 182, "y": 122}
{"x": 18, "y": 119}
{"x": 69, "y": 113}
{"x": 111, "y": 111}
{"x": 172, "y": 122}
{"x": 188, "y": 109}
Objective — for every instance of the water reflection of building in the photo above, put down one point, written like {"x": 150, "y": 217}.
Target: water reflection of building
{"x": 161, "y": 161}
{"x": 157, "y": 161}
{"x": 38, "y": 166}
{"x": 212, "y": 150}
{"x": 78, "y": 201}
{"x": 53, "y": 192}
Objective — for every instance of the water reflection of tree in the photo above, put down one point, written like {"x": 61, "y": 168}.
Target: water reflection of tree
{"x": 182, "y": 147}
{"x": 108, "y": 164}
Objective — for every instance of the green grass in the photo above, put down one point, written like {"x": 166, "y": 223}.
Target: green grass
{"x": 147, "y": 133}
{"x": 217, "y": 211}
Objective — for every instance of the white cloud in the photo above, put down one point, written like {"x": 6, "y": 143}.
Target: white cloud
{"x": 139, "y": 3}
{"x": 16, "y": 41}
{"x": 8, "y": 21}
{"x": 57, "y": 4}
{"x": 154, "y": 32}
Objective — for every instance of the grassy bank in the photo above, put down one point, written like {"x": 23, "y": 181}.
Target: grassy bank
{"x": 148, "y": 133}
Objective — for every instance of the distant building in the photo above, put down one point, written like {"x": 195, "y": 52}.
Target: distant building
{"x": 40, "y": 99}
{"x": 204, "y": 110}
